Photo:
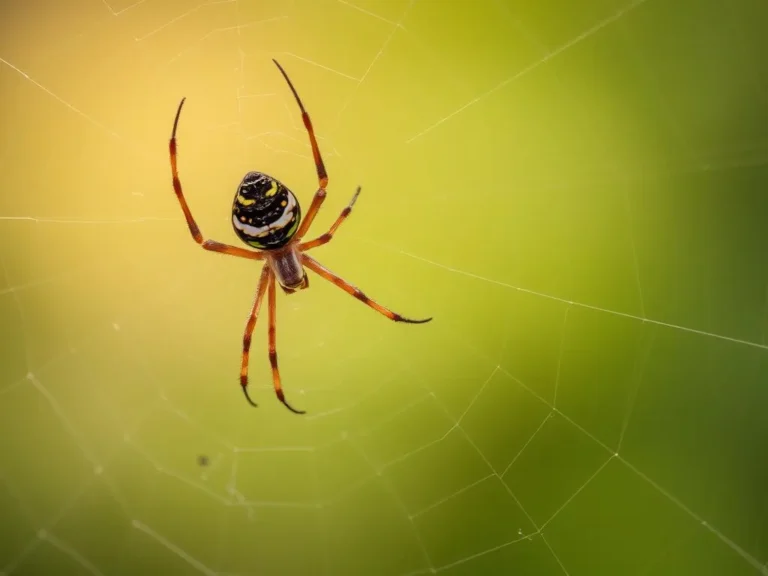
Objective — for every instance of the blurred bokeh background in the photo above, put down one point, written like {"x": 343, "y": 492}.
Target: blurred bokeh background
{"x": 576, "y": 192}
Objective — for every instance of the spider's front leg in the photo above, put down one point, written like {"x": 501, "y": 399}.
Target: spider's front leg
{"x": 323, "y": 272}
{"x": 194, "y": 229}
{"x": 273, "y": 346}
{"x": 266, "y": 273}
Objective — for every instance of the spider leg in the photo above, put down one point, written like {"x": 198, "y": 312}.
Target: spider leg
{"x": 322, "y": 271}
{"x": 266, "y": 274}
{"x": 210, "y": 245}
{"x": 325, "y": 238}
{"x": 273, "y": 346}
{"x": 322, "y": 175}
{"x": 314, "y": 208}
{"x": 213, "y": 246}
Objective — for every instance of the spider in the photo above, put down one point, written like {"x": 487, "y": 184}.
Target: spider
{"x": 267, "y": 217}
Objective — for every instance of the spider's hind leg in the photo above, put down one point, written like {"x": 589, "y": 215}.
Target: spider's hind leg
{"x": 322, "y": 174}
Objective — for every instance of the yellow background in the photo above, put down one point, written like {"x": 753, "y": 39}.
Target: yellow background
{"x": 576, "y": 192}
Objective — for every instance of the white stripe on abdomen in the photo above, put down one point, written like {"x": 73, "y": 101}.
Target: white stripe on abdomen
{"x": 256, "y": 231}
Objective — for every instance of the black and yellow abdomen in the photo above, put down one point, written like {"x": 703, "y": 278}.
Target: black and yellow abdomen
{"x": 265, "y": 214}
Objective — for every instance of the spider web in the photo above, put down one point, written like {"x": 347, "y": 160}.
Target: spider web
{"x": 576, "y": 194}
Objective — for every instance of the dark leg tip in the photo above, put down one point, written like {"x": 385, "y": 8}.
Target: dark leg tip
{"x": 281, "y": 397}
{"x": 176, "y": 122}
{"x": 247, "y": 397}
{"x": 292, "y": 409}
{"x": 409, "y": 321}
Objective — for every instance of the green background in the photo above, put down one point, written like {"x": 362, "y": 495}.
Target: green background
{"x": 576, "y": 191}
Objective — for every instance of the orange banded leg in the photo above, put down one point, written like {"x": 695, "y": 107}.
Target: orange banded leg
{"x": 322, "y": 271}
{"x": 211, "y": 245}
{"x": 314, "y": 208}
{"x": 322, "y": 175}
{"x": 266, "y": 275}
{"x": 325, "y": 238}
{"x": 214, "y": 246}
{"x": 273, "y": 346}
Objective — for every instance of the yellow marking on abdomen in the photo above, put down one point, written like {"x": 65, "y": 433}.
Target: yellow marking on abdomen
{"x": 284, "y": 220}
{"x": 244, "y": 201}
{"x": 272, "y": 191}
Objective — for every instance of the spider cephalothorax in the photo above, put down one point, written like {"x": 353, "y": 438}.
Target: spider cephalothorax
{"x": 265, "y": 214}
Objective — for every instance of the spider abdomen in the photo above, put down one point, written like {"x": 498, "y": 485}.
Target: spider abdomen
{"x": 265, "y": 213}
